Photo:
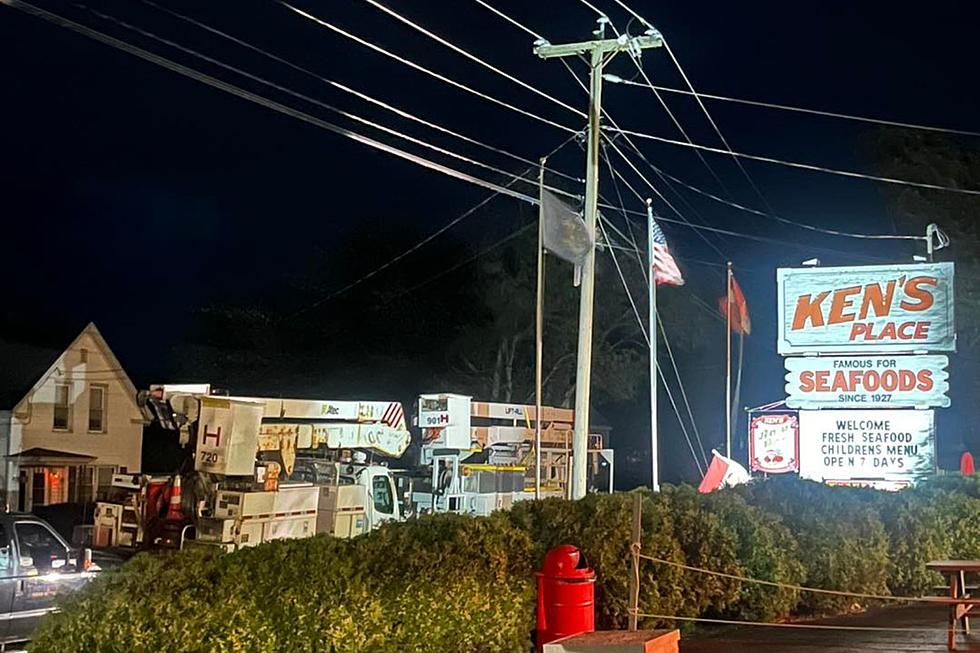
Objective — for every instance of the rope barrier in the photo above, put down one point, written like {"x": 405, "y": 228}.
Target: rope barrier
{"x": 799, "y": 588}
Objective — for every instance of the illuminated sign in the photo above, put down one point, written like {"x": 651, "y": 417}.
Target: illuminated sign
{"x": 875, "y": 308}
{"x": 848, "y": 447}
{"x": 773, "y": 444}
{"x": 867, "y": 382}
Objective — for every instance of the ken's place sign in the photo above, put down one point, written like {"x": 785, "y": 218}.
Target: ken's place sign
{"x": 866, "y": 309}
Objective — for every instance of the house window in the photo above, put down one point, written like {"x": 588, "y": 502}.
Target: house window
{"x": 96, "y": 409}
{"x": 62, "y": 409}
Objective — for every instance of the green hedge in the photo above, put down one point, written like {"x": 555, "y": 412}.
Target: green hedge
{"x": 446, "y": 583}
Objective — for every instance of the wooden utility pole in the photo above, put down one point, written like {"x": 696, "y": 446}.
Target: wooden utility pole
{"x": 600, "y": 51}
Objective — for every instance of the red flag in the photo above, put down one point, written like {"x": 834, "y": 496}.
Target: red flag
{"x": 966, "y": 464}
{"x": 722, "y": 472}
{"x": 740, "y": 310}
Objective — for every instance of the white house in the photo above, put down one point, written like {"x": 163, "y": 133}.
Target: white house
{"x": 72, "y": 424}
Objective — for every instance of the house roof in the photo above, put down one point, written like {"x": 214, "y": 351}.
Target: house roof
{"x": 21, "y": 365}
{"x": 35, "y": 366}
{"x": 50, "y": 456}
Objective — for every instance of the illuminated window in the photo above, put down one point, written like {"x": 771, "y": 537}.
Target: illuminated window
{"x": 62, "y": 409}
{"x": 96, "y": 409}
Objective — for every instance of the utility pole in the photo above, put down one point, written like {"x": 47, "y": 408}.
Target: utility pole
{"x": 600, "y": 51}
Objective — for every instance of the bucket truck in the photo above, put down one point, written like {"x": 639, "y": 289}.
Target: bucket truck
{"x": 481, "y": 456}
{"x": 272, "y": 468}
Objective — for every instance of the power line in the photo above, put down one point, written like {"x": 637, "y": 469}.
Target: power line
{"x": 786, "y": 107}
{"x": 661, "y": 196}
{"x": 449, "y": 225}
{"x": 655, "y": 190}
{"x": 306, "y": 98}
{"x": 714, "y": 125}
{"x": 343, "y": 87}
{"x": 639, "y": 67}
{"x": 802, "y": 166}
{"x": 234, "y": 90}
{"x": 670, "y": 352}
{"x": 420, "y": 68}
{"x": 741, "y": 207}
{"x": 738, "y": 234}
{"x": 646, "y": 338}
{"x": 467, "y": 261}
{"x": 318, "y": 122}
{"x": 258, "y": 99}
{"x": 472, "y": 57}
{"x": 510, "y": 20}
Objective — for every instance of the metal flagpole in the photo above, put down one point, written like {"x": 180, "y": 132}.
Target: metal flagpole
{"x": 539, "y": 335}
{"x": 654, "y": 440}
{"x": 728, "y": 372}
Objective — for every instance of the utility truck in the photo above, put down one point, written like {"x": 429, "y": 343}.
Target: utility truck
{"x": 264, "y": 469}
{"x": 480, "y": 455}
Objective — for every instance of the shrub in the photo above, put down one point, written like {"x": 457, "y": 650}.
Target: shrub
{"x": 766, "y": 550}
{"x": 438, "y": 584}
{"x": 448, "y": 582}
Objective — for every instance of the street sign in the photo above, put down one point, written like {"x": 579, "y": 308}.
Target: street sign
{"x": 846, "y": 447}
{"x": 774, "y": 443}
{"x": 866, "y": 309}
{"x": 867, "y": 382}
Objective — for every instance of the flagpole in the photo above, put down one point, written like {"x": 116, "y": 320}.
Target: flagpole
{"x": 652, "y": 321}
{"x": 539, "y": 336}
{"x": 728, "y": 371}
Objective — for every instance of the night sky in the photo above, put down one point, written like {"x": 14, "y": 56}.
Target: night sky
{"x": 133, "y": 197}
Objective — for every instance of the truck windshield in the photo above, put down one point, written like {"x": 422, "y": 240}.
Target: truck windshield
{"x": 383, "y": 501}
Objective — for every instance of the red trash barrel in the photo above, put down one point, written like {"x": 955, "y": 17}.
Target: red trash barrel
{"x": 566, "y": 595}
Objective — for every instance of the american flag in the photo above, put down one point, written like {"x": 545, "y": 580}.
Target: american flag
{"x": 394, "y": 415}
{"x": 664, "y": 267}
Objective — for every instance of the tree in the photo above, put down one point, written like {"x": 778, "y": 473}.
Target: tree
{"x": 494, "y": 358}
{"x": 943, "y": 160}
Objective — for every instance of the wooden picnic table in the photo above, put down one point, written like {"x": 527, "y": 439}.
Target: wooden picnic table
{"x": 960, "y": 602}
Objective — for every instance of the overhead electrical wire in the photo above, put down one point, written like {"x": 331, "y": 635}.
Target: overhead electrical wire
{"x": 601, "y": 222}
{"x": 605, "y": 112}
{"x": 237, "y": 91}
{"x": 467, "y": 261}
{"x": 802, "y": 166}
{"x": 510, "y": 20}
{"x": 343, "y": 87}
{"x": 787, "y": 107}
{"x": 742, "y": 207}
{"x": 422, "y": 69}
{"x": 446, "y": 227}
{"x": 635, "y": 58}
{"x": 731, "y": 202}
{"x": 738, "y": 234}
{"x": 232, "y": 89}
{"x": 472, "y": 57}
{"x": 314, "y": 101}
{"x": 714, "y": 125}
{"x": 683, "y": 220}
{"x": 184, "y": 70}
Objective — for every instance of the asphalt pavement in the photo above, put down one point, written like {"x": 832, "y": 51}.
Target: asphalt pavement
{"x": 926, "y": 634}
